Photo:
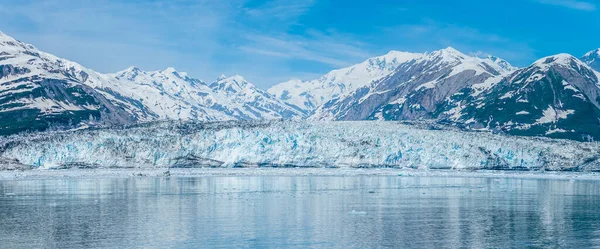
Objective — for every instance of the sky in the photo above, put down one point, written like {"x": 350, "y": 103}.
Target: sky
{"x": 271, "y": 41}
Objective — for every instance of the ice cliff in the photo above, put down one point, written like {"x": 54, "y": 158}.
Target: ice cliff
{"x": 292, "y": 144}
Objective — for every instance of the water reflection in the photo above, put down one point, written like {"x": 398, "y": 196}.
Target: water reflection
{"x": 301, "y": 212}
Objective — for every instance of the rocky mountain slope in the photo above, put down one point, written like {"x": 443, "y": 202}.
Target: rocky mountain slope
{"x": 557, "y": 96}
{"x": 174, "y": 95}
{"x": 415, "y": 89}
{"x": 309, "y": 95}
{"x": 592, "y": 58}
{"x": 39, "y": 91}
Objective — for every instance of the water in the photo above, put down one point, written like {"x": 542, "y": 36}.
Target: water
{"x": 299, "y": 212}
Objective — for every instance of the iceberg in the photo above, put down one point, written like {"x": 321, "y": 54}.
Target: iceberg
{"x": 278, "y": 143}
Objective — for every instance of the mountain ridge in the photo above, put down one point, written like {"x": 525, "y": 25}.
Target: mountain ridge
{"x": 39, "y": 91}
{"x": 414, "y": 84}
{"x": 556, "y": 96}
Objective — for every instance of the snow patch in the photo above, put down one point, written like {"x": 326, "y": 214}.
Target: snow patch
{"x": 551, "y": 115}
{"x": 507, "y": 95}
{"x": 398, "y": 101}
{"x": 557, "y": 130}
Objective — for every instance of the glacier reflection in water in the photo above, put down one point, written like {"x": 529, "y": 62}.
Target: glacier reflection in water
{"x": 300, "y": 212}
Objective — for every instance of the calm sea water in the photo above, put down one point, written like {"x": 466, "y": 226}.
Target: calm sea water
{"x": 299, "y": 212}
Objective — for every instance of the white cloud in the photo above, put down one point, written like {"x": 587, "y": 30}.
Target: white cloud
{"x": 281, "y": 10}
{"x": 571, "y": 4}
{"x": 205, "y": 37}
{"x": 317, "y": 47}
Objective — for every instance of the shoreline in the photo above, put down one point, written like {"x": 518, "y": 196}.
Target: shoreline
{"x": 42, "y": 174}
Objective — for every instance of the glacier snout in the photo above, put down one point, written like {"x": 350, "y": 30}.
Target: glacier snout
{"x": 294, "y": 144}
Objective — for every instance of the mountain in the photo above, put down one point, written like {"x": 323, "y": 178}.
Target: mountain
{"x": 505, "y": 65}
{"x": 308, "y": 95}
{"x": 174, "y": 95}
{"x": 39, "y": 91}
{"x": 557, "y": 96}
{"x": 592, "y": 58}
{"x": 415, "y": 89}
{"x": 256, "y": 103}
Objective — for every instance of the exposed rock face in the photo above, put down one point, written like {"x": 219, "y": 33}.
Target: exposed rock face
{"x": 39, "y": 91}
{"x": 557, "y": 96}
{"x": 309, "y": 95}
{"x": 592, "y": 58}
{"x": 414, "y": 90}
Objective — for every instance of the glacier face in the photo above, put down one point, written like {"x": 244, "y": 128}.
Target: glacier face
{"x": 293, "y": 144}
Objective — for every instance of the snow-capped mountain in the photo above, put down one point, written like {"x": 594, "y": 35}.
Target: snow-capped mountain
{"x": 415, "y": 89}
{"x": 253, "y": 102}
{"x": 592, "y": 58}
{"x": 308, "y": 95}
{"x": 174, "y": 95}
{"x": 557, "y": 96}
{"x": 502, "y": 63}
{"x": 39, "y": 91}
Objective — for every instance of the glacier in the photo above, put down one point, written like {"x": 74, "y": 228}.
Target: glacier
{"x": 279, "y": 143}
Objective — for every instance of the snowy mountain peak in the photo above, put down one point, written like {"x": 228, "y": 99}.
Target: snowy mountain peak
{"x": 170, "y": 70}
{"x": 221, "y": 77}
{"x": 234, "y": 83}
{"x": 592, "y": 59}
{"x": 460, "y": 62}
{"x": 502, "y": 63}
{"x": 232, "y": 79}
{"x": 563, "y": 59}
{"x": 451, "y": 50}
{"x": 238, "y": 78}
{"x": 594, "y": 53}
{"x": 558, "y": 58}
{"x": 129, "y": 73}
{"x": 395, "y": 56}
{"x": 414, "y": 89}
{"x": 308, "y": 95}
{"x": 449, "y": 53}
{"x": 454, "y": 56}
{"x": 10, "y": 43}
{"x": 6, "y": 38}
{"x": 130, "y": 70}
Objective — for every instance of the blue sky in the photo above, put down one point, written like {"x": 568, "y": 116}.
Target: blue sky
{"x": 269, "y": 41}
